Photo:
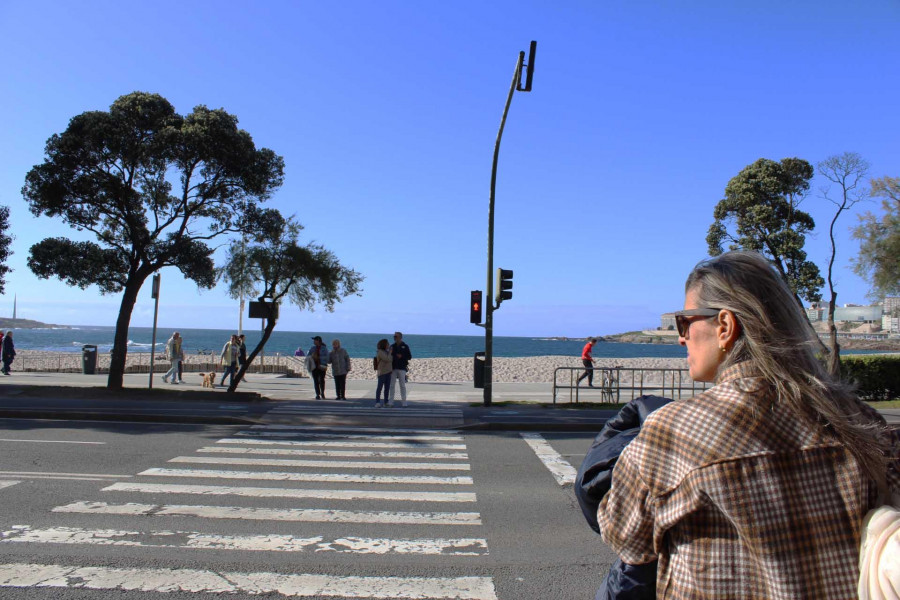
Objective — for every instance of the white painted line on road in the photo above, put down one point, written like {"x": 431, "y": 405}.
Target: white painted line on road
{"x": 253, "y": 543}
{"x": 303, "y": 515}
{"x": 283, "y": 462}
{"x": 336, "y": 453}
{"x": 67, "y": 476}
{"x": 271, "y": 492}
{"x": 354, "y": 436}
{"x": 25, "y": 575}
{"x": 279, "y": 427}
{"x": 560, "y": 468}
{"x": 329, "y": 477}
{"x": 8, "y": 483}
{"x": 50, "y": 441}
{"x": 340, "y": 444}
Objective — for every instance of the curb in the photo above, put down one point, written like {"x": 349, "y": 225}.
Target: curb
{"x": 135, "y": 418}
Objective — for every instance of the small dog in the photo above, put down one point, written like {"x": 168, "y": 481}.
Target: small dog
{"x": 209, "y": 380}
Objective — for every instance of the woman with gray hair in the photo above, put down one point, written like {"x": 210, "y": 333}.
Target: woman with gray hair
{"x": 756, "y": 488}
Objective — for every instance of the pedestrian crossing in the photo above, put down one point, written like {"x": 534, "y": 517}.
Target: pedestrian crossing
{"x": 428, "y": 412}
{"x": 333, "y": 492}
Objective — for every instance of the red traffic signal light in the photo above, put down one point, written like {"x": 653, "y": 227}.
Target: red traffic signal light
{"x": 475, "y": 307}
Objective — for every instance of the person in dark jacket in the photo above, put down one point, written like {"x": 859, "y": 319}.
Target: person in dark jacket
{"x": 9, "y": 352}
{"x": 634, "y": 582}
{"x": 401, "y": 356}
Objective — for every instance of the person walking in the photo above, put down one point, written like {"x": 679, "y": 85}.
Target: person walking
{"x": 383, "y": 369}
{"x": 8, "y": 351}
{"x": 757, "y": 487}
{"x": 318, "y": 360}
{"x": 230, "y": 360}
{"x": 242, "y": 353}
{"x": 340, "y": 366}
{"x": 588, "y": 361}
{"x": 175, "y": 355}
{"x": 400, "y": 357}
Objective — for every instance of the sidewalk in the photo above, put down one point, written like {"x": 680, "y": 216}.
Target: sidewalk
{"x": 275, "y": 399}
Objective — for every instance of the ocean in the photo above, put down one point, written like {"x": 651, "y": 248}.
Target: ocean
{"x": 357, "y": 344}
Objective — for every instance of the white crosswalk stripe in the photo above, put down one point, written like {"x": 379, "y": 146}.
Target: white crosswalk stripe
{"x": 365, "y": 430}
{"x": 270, "y": 492}
{"x": 256, "y": 543}
{"x": 336, "y": 444}
{"x": 303, "y": 515}
{"x": 196, "y": 580}
{"x": 325, "y": 477}
{"x": 335, "y": 453}
{"x": 397, "y": 437}
{"x": 286, "y": 462}
{"x": 304, "y": 455}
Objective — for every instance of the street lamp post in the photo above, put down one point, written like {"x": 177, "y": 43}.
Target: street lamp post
{"x": 489, "y": 304}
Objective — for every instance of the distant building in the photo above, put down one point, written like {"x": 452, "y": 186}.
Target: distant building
{"x": 847, "y": 313}
{"x": 886, "y": 315}
{"x": 890, "y": 319}
{"x": 667, "y": 321}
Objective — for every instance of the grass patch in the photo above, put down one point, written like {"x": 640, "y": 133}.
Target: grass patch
{"x": 885, "y": 404}
{"x": 550, "y": 405}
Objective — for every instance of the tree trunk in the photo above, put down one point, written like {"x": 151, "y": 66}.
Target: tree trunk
{"x": 120, "y": 340}
{"x": 834, "y": 358}
{"x": 267, "y": 333}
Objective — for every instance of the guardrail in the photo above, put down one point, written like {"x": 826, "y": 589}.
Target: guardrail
{"x": 620, "y": 384}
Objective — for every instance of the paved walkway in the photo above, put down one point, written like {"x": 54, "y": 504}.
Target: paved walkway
{"x": 292, "y": 400}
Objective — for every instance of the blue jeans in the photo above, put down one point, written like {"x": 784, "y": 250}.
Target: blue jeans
{"x": 384, "y": 382}
{"x": 173, "y": 372}
{"x": 229, "y": 370}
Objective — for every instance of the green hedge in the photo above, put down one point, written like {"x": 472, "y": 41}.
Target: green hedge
{"x": 877, "y": 377}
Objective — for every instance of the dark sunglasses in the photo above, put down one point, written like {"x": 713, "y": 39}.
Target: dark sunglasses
{"x": 683, "y": 318}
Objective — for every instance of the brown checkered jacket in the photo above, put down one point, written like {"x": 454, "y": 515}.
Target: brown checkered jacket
{"x": 738, "y": 499}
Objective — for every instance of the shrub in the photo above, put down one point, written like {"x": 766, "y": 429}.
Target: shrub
{"x": 877, "y": 377}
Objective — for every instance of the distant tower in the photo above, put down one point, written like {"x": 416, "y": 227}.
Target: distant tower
{"x": 14, "y": 307}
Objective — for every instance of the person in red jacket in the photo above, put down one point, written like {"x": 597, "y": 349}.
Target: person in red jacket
{"x": 588, "y": 361}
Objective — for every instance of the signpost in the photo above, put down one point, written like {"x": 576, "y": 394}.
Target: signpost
{"x": 155, "y": 295}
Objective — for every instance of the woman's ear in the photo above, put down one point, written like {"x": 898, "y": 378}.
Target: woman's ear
{"x": 728, "y": 329}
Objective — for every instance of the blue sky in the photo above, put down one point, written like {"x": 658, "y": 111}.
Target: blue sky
{"x": 386, "y": 115}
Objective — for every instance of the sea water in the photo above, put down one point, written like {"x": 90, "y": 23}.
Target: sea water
{"x": 140, "y": 339}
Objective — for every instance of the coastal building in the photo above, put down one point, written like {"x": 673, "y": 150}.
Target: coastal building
{"x": 667, "y": 321}
{"x": 847, "y": 313}
{"x": 890, "y": 319}
{"x": 884, "y": 316}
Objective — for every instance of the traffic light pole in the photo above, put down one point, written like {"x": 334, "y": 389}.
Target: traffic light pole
{"x": 489, "y": 303}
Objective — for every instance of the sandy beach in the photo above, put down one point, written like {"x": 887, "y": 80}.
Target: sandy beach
{"x": 535, "y": 369}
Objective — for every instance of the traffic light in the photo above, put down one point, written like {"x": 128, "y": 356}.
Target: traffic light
{"x": 504, "y": 284}
{"x": 475, "y": 307}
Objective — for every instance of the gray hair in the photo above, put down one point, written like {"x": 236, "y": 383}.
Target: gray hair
{"x": 777, "y": 338}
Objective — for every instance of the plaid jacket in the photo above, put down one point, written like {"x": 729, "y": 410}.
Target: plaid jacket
{"x": 738, "y": 499}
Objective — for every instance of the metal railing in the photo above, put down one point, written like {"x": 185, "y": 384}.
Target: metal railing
{"x": 619, "y": 384}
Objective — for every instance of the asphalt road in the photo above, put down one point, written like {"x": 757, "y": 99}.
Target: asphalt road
{"x": 89, "y": 509}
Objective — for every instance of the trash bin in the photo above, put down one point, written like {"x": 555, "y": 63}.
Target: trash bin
{"x": 479, "y": 369}
{"x": 89, "y": 359}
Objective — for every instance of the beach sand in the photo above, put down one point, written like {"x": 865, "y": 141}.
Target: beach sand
{"x": 534, "y": 369}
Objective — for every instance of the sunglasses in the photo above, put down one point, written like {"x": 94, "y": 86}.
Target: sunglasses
{"x": 683, "y": 318}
